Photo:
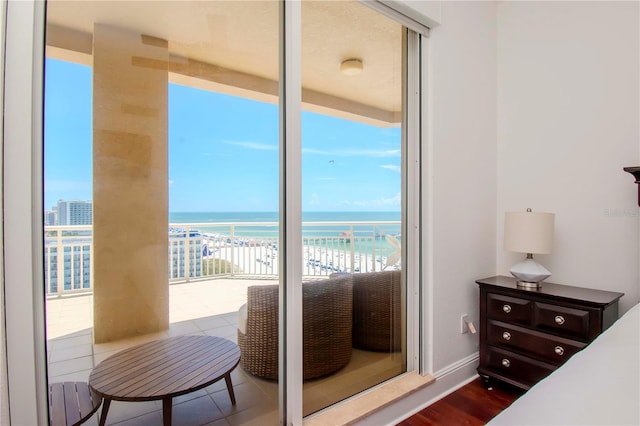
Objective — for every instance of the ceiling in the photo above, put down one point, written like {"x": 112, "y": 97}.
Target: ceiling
{"x": 241, "y": 37}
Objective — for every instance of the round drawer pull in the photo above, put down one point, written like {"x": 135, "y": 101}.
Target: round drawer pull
{"x": 559, "y": 350}
{"x": 506, "y": 335}
{"x": 506, "y": 308}
{"x": 559, "y": 319}
{"x": 506, "y": 362}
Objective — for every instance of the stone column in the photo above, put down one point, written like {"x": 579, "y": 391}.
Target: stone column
{"x": 130, "y": 184}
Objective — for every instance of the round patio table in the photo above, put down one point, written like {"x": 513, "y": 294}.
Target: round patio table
{"x": 163, "y": 369}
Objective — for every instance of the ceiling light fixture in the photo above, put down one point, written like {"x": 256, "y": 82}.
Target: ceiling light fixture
{"x": 351, "y": 66}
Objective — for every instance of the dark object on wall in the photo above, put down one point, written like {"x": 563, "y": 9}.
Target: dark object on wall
{"x": 635, "y": 171}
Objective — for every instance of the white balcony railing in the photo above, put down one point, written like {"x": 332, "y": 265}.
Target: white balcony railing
{"x": 249, "y": 249}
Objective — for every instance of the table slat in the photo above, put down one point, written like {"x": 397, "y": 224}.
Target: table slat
{"x": 85, "y": 400}
{"x": 134, "y": 360}
{"x": 71, "y": 408}
{"x": 56, "y": 403}
{"x": 71, "y": 403}
{"x": 193, "y": 374}
{"x": 164, "y": 368}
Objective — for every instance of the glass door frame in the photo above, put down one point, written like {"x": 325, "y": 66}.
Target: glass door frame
{"x": 290, "y": 345}
{"x": 290, "y": 267}
{"x": 23, "y": 27}
{"x": 23, "y": 263}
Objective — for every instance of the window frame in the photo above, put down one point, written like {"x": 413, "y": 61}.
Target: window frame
{"x": 22, "y": 138}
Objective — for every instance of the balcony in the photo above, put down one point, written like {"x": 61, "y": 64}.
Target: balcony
{"x": 199, "y": 304}
{"x": 249, "y": 249}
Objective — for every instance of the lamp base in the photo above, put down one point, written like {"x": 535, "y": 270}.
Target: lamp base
{"x": 529, "y": 286}
{"x": 529, "y": 273}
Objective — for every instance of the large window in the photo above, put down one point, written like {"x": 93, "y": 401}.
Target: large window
{"x": 177, "y": 154}
{"x": 351, "y": 173}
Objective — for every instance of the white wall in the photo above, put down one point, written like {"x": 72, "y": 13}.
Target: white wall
{"x": 462, "y": 134}
{"x": 4, "y": 396}
{"x": 544, "y": 115}
{"x": 568, "y": 122}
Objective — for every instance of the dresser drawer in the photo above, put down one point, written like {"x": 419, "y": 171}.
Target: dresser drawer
{"x": 545, "y": 347}
{"x": 534, "y": 331}
{"x": 517, "y": 367}
{"x": 510, "y": 309}
{"x": 562, "y": 320}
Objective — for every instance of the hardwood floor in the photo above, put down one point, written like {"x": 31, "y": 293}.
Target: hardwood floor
{"x": 470, "y": 405}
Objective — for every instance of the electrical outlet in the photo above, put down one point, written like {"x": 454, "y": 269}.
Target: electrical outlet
{"x": 463, "y": 324}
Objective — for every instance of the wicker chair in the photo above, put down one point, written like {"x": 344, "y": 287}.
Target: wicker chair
{"x": 327, "y": 313}
{"x": 377, "y": 320}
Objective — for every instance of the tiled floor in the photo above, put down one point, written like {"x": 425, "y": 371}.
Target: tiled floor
{"x": 198, "y": 308}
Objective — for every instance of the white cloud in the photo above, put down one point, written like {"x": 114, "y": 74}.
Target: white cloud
{"x": 393, "y": 201}
{"x": 391, "y": 167}
{"x": 253, "y": 145}
{"x": 170, "y": 182}
{"x": 315, "y": 151}
{"x": 378, "y": 153}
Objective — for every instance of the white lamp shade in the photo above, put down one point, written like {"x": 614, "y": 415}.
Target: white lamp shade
{"x": 528, "y": 232}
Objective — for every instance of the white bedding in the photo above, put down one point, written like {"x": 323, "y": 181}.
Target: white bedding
{"x": 599, "y": 385}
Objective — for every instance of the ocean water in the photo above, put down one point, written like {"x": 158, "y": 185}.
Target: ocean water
{"x": 235, "y": 217}
{"x": 320, "y": 233}
{"x": 322, "y": 226}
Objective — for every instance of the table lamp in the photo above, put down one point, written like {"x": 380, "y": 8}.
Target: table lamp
{"x": 529, "y": 232}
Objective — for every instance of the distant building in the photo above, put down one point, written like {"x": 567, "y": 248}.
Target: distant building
{"x": 75, "y": 212}
{"x": 179, "y": 268}
{"x": 67, "y": 267}
{"x": 51, "y": 217}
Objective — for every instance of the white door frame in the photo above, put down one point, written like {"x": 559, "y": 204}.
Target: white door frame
{"x": 23, "y": 210}
{"x": 22, "y": 213}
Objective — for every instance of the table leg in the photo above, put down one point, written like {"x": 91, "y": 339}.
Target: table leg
{"x": 166, "y": 411}
{"x": 105, "y": 409}
{"x": 227, "y": 379}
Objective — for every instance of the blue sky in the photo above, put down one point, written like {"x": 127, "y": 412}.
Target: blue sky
{"x": 223, "y": 152}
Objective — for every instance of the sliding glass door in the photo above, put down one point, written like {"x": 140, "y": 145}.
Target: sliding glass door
{"x": 170, "y": 137}
{"x": 352, "y": 201}
{"x": 161, "y": 191}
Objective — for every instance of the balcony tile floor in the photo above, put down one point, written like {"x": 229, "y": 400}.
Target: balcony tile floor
{"x": 196, "y": 308}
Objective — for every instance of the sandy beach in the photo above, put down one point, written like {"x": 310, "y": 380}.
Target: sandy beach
{"x": 261, "y": 258}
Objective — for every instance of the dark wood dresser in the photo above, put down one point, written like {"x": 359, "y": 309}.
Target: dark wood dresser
{"x": 526, "y": 334}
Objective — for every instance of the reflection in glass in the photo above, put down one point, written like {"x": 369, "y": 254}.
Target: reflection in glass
{"x": 351, "y": 169}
